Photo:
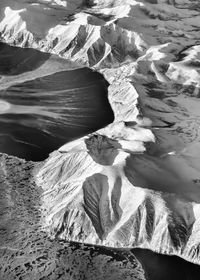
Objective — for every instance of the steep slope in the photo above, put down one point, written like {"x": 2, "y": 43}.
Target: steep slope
{"x": 105, "y": 188}
{"x": 84, "y": 32}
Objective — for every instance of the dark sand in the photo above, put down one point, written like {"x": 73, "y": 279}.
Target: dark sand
{"x": 161, "y": 267}
{"x": 40, "y": 115}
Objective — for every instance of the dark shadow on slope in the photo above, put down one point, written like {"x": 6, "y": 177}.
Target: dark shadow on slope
{"x": 102, "y": 149}
{"x": 103, "y": 214}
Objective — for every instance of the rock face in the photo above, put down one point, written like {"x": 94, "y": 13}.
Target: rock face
{"x": 135, "y": 183}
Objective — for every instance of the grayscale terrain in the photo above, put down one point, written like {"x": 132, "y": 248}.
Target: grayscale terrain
{"x": 110, "y": 92}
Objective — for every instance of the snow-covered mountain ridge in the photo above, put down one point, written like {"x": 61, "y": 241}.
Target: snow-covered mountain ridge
{"x": 136, "y": 182}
